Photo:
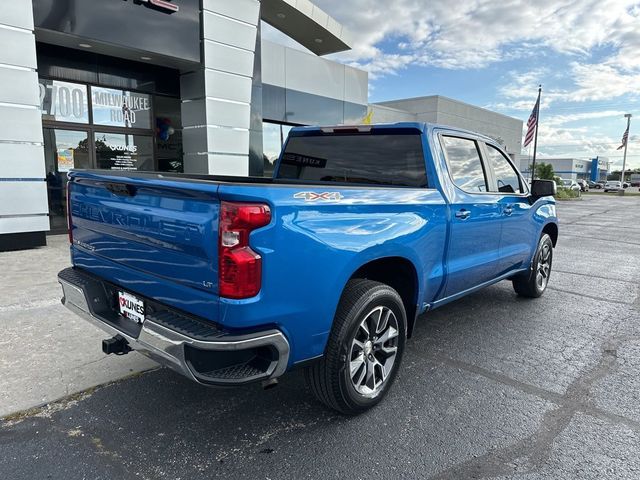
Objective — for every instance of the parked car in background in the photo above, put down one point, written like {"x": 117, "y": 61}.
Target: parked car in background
{"x": 570, "y": 185}
{"x": 635, "y": 183}
{"x": 593, "y": 184}
{"x": 325, "y": 266}
{"x": 598, "y": 185}
{"x": 612, "y": 186}
{"x": 584, "y": 185}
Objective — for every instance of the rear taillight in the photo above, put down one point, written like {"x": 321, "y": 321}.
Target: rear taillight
{"x": 69, "y": 224}
{"x": 239, "y": 267}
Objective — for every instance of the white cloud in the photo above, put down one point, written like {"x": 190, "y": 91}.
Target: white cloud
{"x": 393, "y": 34}
{"x": 600, "y": 38}
{"x": 474, "y": 33}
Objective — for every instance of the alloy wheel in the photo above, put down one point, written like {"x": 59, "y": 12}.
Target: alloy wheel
{"x": 373, "y": 351}
{"x": 544, "y": 267}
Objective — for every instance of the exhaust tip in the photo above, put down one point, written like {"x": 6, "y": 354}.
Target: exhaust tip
{"x": 269, "y": 384}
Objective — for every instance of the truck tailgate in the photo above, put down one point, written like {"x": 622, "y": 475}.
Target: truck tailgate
{"x": 162, "y": 227}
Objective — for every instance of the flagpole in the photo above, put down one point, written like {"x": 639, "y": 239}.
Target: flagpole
{"x": 535, "y": 140}
{"x": 624, "y": 158}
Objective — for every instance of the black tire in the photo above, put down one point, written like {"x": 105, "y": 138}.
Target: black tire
{"x": 330, "y": 378}
{"x": 529, "y": 284}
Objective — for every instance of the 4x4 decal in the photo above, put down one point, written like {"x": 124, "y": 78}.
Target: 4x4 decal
{"x": 313, "y": 196}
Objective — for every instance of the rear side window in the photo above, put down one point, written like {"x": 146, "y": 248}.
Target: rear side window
{"x": 506, "y": 176}
{"x": 465, "y": 165}
{"x": 361, "y": 158}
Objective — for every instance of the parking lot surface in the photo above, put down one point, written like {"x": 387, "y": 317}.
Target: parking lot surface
{"x": 492, "y": 386}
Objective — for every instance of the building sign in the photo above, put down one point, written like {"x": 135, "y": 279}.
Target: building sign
{"x": 162, "y": 5}
{"x": 120, "y": 108}
{"x": 167, "y": 28}
{"x": 63, "y": 101}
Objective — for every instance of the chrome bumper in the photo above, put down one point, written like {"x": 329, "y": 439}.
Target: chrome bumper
{"x": 168, "y": 347}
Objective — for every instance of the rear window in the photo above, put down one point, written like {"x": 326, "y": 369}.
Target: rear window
{"x": 360, "y": 158}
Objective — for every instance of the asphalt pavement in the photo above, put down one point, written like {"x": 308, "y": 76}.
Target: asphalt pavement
{"x": 491, "y": 386}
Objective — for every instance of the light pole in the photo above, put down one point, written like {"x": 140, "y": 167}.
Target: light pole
{"x": 624, "y": 158}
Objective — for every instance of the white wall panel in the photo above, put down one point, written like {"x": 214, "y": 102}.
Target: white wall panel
{"x": 39, "y": 223}
{"x": 307, "y": 73}
{"x": 17, "y": 86}
{"x": 273, "y": 64}
{"x": 228, "y": 31}
{"x": 228, "y": 86}
{"x": 17, "y": 47}
{"x": 216, "y": 113}
{"x": 244, "y": 10}
{"x": 21, "y": 160}
{"x": 23, "y": 198}
{"x": 228, "y": 59}
{"x": 228, "y": 114}
{"x": 223, "y": 140}
{"x": 356, "y": 85}
{"x": 305, "y": 6}
{"x": 21, "y": 124}
{"x": 23, "y": 203}
{"x": 229, "y": 164}
{"x": 17, "y": 13}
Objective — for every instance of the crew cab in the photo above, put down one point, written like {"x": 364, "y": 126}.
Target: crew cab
{"x": 326, "y": 266}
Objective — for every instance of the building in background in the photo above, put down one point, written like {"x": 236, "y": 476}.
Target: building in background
{"x": 154, "y": 86}
{"x": 172, "y": 86}
{"x": 507, "y": 131}
{"x": 595, "y": 169}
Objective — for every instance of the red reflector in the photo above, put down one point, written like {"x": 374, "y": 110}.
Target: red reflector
{"x": 239, "y": 267}
{"x": 240, "y": 273}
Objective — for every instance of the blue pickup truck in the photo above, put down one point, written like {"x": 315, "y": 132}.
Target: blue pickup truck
{"x": 326, "y": 266}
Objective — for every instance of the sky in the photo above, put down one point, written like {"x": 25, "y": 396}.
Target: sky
{"x": 494, "y": 54}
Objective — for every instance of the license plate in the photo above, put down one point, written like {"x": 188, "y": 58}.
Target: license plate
{"x": 131, "y": 307}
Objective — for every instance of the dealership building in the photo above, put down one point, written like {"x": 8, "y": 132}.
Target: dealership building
{"x": 173, "y": 86}
{"x": 595, "y": 169}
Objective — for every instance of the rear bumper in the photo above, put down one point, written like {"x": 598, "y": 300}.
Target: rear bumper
{"x": 197, "y": 349}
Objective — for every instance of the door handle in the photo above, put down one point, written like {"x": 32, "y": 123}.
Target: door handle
{"x": 463, "y": 214}
{"x": 508, "y": 210}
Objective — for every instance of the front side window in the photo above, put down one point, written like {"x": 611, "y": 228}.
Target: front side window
{"x": 374, "y": 159}
{"x": 465, "y": 165}
{"x": 507, "y": 178}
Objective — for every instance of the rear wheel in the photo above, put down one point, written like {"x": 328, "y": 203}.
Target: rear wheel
{"x": 534, "y": 283}
{"x": 364, "y": 350}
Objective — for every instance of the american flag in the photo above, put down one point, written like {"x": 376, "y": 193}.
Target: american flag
{"x": 532, "y": 123}
{"x": 625, "y": 139}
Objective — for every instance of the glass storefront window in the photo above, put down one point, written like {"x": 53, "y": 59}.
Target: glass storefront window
{"x": 121, "y": 108}
{"x": 63, "y": 101}
{"x": 64, "y": 150}
{"x": 168, "y": 134}
{"x": 115, "y": 151}
{"x": 273, "y": 137}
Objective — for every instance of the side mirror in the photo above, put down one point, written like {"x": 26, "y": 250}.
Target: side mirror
{"x": 543, "y": 188}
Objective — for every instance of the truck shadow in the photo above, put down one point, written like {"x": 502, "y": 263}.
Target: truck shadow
{"x": 159, "y": 415}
